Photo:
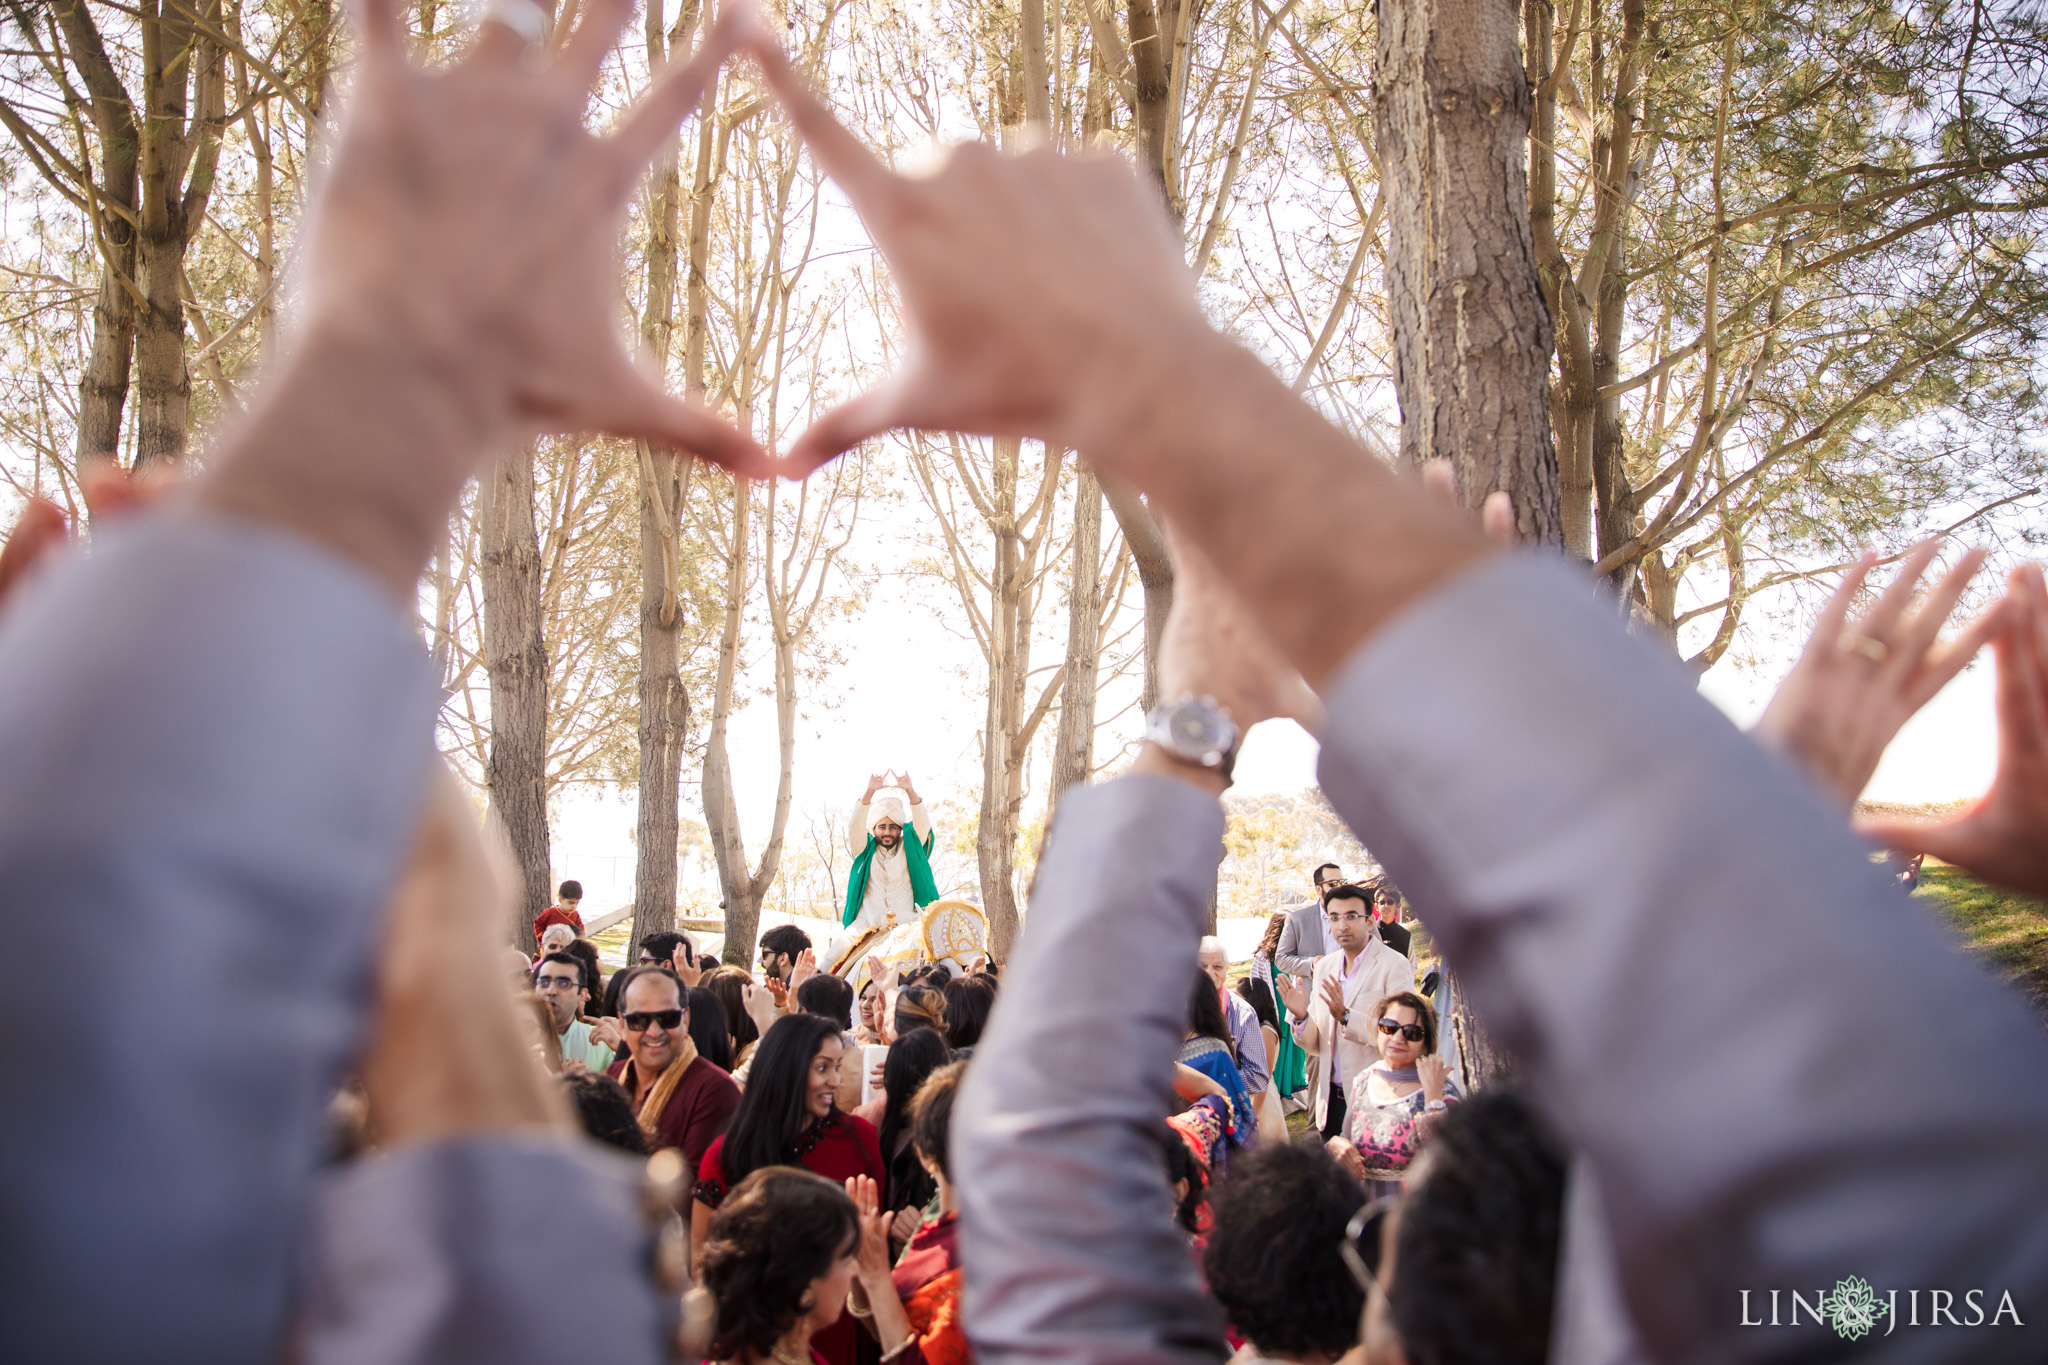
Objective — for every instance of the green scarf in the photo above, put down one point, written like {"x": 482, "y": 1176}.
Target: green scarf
{"x": 923, "y": 890}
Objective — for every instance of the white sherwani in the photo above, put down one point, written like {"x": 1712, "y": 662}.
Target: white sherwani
{"x": 888, "y": 901}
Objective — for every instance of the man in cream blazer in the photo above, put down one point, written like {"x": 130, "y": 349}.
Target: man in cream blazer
{"x": 1348, "y": 983}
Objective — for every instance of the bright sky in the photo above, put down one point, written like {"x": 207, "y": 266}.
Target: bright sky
{"x": 910, "y": 698}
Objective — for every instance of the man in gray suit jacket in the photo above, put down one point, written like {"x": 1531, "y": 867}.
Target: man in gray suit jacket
{"x": 1304, "y": 937}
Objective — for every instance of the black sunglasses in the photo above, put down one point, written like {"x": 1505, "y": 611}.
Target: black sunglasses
{"x": 1414, "y": 1033}
{"x": 640, "y": 1020}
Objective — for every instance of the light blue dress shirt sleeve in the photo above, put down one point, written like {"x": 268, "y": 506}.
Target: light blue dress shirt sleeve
{"x": 1780, "y": 1071}
{"x": 1066, "y": 1223}
{"x": 213, "y": 743}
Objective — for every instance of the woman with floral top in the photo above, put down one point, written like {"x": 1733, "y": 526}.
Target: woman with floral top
{"x": 1394, "y": 1102}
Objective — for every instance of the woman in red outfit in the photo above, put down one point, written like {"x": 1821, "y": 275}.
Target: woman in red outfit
{"x": 788, "y": 1117}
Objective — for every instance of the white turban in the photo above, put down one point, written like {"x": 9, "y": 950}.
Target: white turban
{"x": 889, "y": 808}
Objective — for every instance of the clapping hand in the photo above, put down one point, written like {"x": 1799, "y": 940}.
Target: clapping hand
{"x": 759, "y": 1005}
{"x": 1432, "y": 1072}
{"x": 1333, "y": 996}
{"x": 778, "y": 991}
{"x": 804, "y": 968}
{"x": 1293, "y": 995}
{"x": 874, "y": 1226}
{"x": 1858, "y": 681}
{"x": 2003, "y": 838}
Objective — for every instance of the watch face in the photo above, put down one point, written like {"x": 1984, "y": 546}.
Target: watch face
{"x": 1193, "y": 730}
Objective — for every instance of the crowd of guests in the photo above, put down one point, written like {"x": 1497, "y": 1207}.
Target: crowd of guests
{"x": 752, "y": 1078}
{"x": 216, "y": 749}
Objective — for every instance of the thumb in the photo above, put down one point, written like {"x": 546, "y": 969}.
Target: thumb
{"x": 1948, "y": 840}
{"x": 636, "y": 407}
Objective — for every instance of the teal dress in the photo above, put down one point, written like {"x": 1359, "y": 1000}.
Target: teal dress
{"x": 1290, "y": 1068}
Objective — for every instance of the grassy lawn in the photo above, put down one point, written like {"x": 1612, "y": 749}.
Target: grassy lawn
{"x": 2009, "y": 930}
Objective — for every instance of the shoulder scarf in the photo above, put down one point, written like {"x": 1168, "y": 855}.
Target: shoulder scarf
{"x": 665, "y": 1088}
{"x": 917, "y": 852}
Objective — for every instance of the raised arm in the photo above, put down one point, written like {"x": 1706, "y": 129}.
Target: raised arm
{"x": 1071, "y": 1254}
{"x": 1504, "y": 737}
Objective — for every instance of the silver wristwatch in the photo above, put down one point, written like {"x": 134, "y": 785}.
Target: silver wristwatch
{"x": 1197, "y": 729}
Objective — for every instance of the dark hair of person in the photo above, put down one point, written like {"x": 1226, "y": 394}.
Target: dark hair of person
{"x": 730, "y": 984}
{"x": 1475, "y": 1255}
{"x": 1273, "y": 1259}
{"x": 625, "y": 980}
{"x": 912, "y": 1058}
{"x": 707, "y": 1029}
{"x": 1205, "y": 1012}
{"x": 827, "y": 996}
{"x": 565, "y": 960}
{"x": 772, "y": 1116}
{"x": 593, "y": 973}
{"x": 611, "y": 993}
{"x": 786, "y": 938}
{"x": 919, "y": 1007}
{"x": 777, "y": 1231}
{"x": 663, "y": 945}
{"x": 968, "y": 1002}
{"x": 1321, "y": 868}
{"x": 1256, "y": 993}
{"x": 1275, "y": 927}
{"x": 931, "y": 1116}
{"x": 926, "y": 975}
{"x": 1182, "y": 1165}
{"x": 1425, "y": 1015}
{"x": 1349, "y": 893}
{"x": 606, "y": 1112}
{"x": 569, "y": 891}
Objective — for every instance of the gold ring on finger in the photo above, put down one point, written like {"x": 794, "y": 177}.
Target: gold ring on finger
{"x": 1869, "y": 646}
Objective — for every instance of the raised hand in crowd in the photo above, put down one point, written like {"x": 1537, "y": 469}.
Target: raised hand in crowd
{"x": 762, "y": 1003}
{"x": 1333, "y": 996}
{"x": 875, "y": 1279}
{"x": 1432, "y": 1070}
{"x": 778, "y": 991}
{"x": 876, "y": 781}
{"x": 1859, "y": 680}
{"x": 1293, "y": 995}
{"x": 803, "y": 969}
{"x": 2003, "y": 837}
{"x": 606, "y": 1031}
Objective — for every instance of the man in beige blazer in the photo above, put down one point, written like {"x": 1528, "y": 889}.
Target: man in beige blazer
{"x": 1331, "y": 1017}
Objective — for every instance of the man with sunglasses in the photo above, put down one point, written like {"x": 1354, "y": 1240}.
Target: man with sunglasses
{"x": 1329, "y": 1019}
{"x": 559, "y": 979}
{"x": 1305, "y": 939}
{"x": 681, "y": 1099}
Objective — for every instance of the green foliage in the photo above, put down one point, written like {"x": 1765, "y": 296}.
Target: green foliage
{"x": 2008, "y": 930}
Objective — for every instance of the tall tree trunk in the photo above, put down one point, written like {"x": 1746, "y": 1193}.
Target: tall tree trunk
{"x": 183, "y": 73}
{"x": 1008, "y": 657}
{"x": 664, "y": 484}
{"x": 721, "y": 813}
{"x": 1472, "y": 336}
{"x": 1472, "y": 333}
{"x": 1073, "y": 750}
{"x": 516, "y": 658}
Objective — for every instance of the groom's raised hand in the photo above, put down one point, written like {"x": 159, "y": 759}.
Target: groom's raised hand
{"x": 1045, "y": 294}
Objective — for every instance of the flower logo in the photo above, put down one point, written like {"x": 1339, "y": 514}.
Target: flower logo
{"x": 1852, "y": 1308}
